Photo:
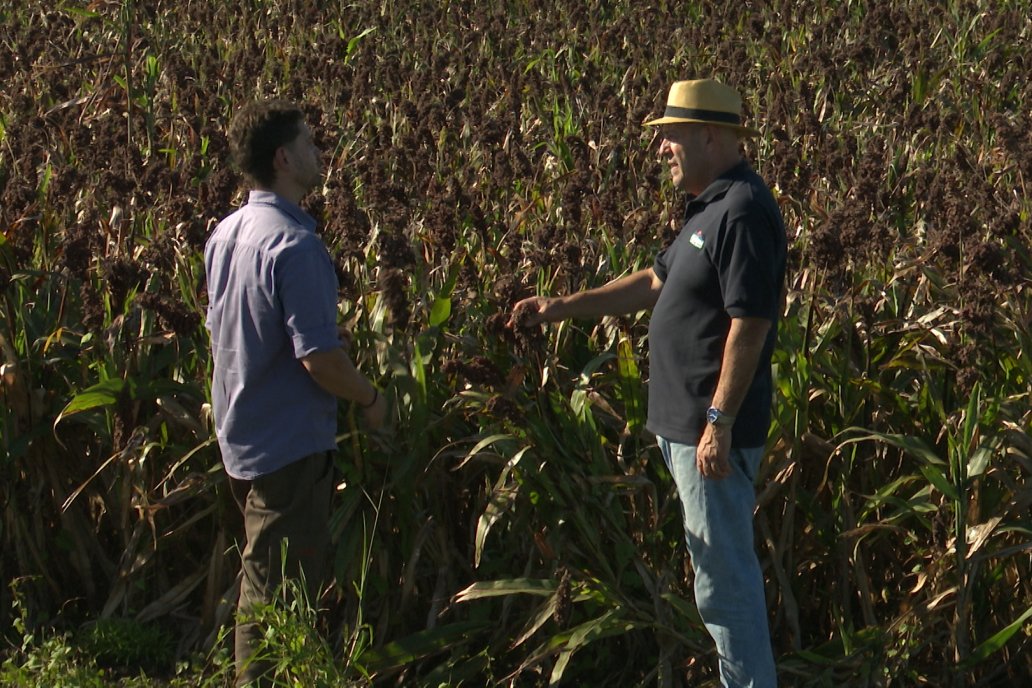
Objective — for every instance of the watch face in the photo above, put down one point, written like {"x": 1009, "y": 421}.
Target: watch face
{"x": 717, "y": 417}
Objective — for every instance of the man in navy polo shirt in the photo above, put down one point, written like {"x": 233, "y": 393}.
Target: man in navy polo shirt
{"x": 279, "y": 364}
{"x": 715, "y": 295}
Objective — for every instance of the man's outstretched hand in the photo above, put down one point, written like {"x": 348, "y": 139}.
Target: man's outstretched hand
{"x": 529, "y": 312}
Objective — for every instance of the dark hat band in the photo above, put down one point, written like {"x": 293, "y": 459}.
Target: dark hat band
{"x": 705, "y": 115}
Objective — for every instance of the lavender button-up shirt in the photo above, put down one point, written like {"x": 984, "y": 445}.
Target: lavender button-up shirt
{"x": 272, "y": 299}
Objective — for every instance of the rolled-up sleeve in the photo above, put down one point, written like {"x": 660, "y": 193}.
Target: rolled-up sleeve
{"x": 306, "y": 287}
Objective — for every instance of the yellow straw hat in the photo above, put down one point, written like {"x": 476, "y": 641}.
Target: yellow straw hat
{"x": 704, "y": 101}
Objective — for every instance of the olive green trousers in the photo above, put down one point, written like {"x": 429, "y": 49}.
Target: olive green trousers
{"x": 288, "y": 507}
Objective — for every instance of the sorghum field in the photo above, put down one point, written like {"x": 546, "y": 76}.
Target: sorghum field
{"x": 514, "y": 526}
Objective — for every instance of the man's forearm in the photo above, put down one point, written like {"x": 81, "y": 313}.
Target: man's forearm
{"x": 333, "y": 371}
{"x": 629, "y": 294}
{"x": 742, "y": 352}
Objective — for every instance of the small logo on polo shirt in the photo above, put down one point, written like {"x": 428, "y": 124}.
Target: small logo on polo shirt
{"x": 696, "y": 239}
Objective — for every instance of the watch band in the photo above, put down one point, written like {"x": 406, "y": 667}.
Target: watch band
{"x": 376, "y": 395}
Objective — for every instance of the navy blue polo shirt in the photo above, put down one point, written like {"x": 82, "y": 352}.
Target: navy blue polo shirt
{"x": 728, "y": 261}
{"x": 272, "y": 299}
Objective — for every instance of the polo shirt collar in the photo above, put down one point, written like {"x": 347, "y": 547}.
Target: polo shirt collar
{"x": 294, "y": 211}
{"x": 719, "y": 186}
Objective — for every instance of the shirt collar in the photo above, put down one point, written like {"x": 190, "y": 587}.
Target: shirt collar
{"x": 262, "y": 197}
{"x": 718, "y": 187}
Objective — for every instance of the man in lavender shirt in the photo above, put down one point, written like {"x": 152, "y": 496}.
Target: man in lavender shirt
{"x": 279, "y": 364}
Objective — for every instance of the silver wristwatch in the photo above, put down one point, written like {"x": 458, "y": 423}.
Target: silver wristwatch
{"x": 715, "y": 416}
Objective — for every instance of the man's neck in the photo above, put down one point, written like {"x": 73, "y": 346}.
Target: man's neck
{"x": 726, "y": 164}
{"x": 287, "y": 191}
{"x": 718, "y": 169}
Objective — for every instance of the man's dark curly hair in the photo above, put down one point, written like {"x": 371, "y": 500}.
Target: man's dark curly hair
{"x": 257, "y": 131}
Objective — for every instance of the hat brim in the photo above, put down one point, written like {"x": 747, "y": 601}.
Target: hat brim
{"x": 741, "y": 130}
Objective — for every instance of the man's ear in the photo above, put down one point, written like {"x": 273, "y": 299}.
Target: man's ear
{"x": 280, "y": 159}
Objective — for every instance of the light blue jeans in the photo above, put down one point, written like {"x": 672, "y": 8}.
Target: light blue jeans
{"x": 718, "y": 526}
